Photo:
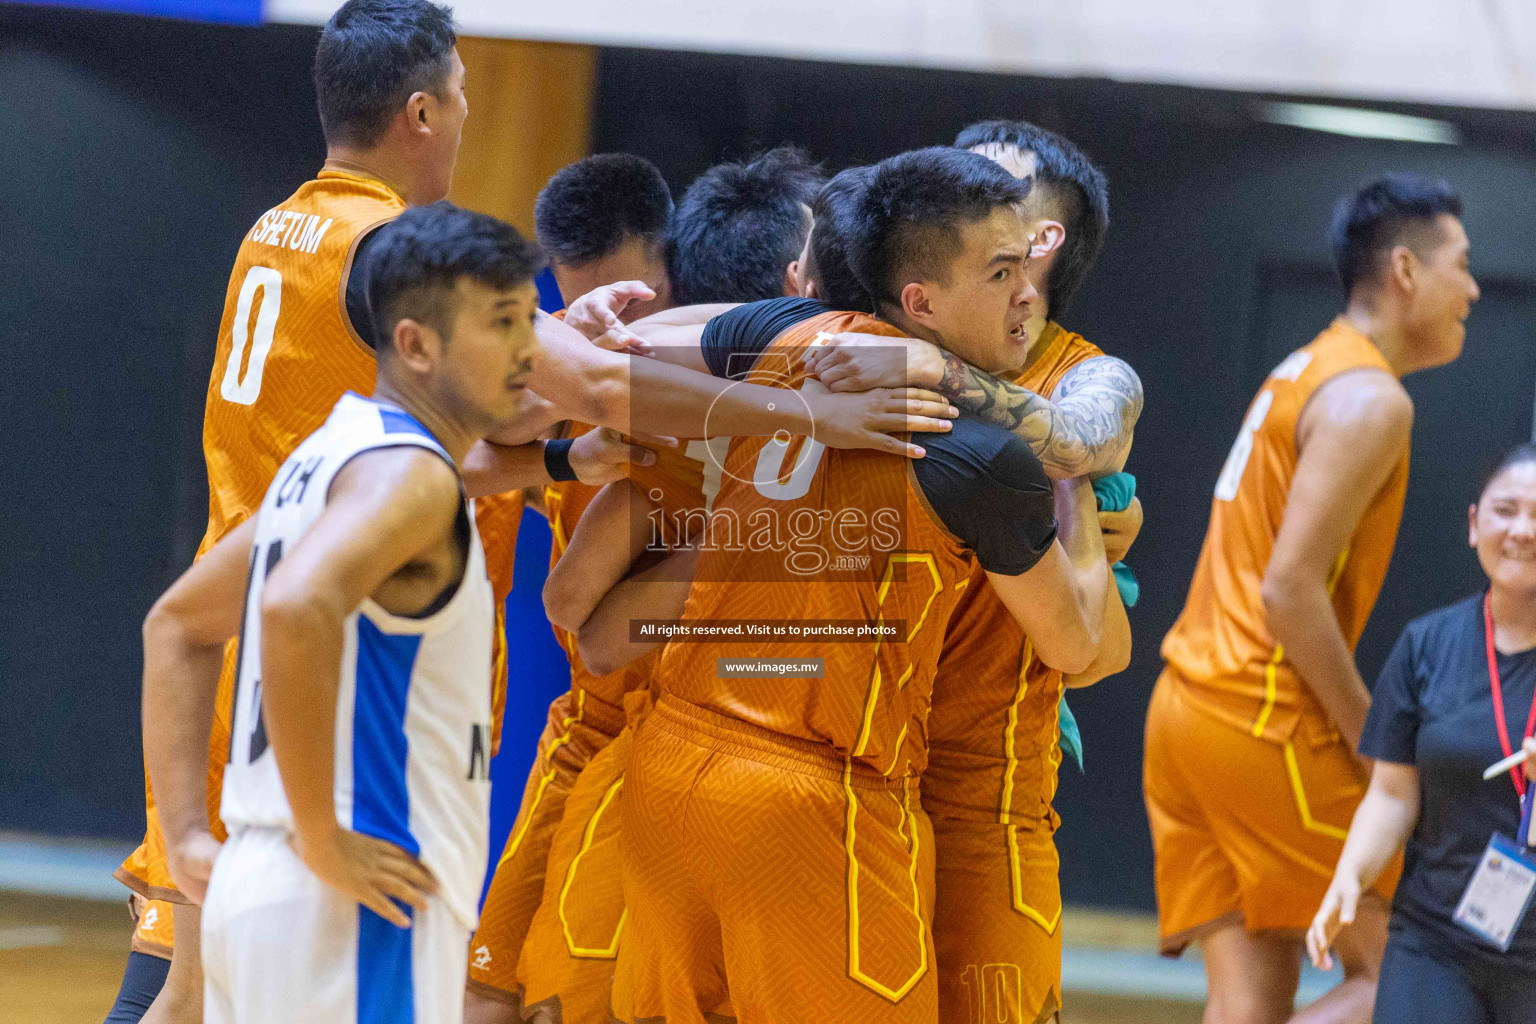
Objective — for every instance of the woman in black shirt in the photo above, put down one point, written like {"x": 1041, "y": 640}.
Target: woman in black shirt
{"x": 1432, "y": 729}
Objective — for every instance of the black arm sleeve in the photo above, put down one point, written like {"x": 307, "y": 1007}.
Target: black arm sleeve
{"x": 1391, "y": 730}
{"x": 358, "y": 310}
{"x": 733, "y": 340}
{"x": 990, "y": 490}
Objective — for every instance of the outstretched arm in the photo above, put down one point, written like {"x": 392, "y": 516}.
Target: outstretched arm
{"x": 596, "y": 457}
{"x": 1086, "y": 429}
{"x": 596, "y": 386}
{"x": 184, "y": 637}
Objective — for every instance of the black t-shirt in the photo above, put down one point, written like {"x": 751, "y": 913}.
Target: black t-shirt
{"x": 983, "y": 482}
{"x": 358, "y": 310}
{"x": 1433, "y": 708}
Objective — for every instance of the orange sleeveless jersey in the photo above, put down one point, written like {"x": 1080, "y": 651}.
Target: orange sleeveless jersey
{"x": 286, "y": 352}
{"x": 286, "y": 349}
{"x": 994, "y": 724}
{"x": 1221, "y": 649}
{"x": 802, "y": 532}
{"x": 681, "y": 485}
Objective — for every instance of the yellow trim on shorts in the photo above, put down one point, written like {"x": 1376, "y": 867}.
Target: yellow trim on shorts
{"x": 516, "y": 840}
{"x": 870, "y": 700}
{"x": 1017, "y": 883}
{"x": 610, "y": 951}
{"x": 1271, "y": 668}
{"x": 1271, "y": 690}
{"x": 1305, "y": 809}
{"x": 1004, "y": 812}
{"x": 908, "y": 832}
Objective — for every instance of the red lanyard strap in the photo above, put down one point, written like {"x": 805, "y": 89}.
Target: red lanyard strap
{"x": 1515, "y": 773}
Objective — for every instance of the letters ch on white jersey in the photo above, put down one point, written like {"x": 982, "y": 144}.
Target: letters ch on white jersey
{"x": 413, "y": 707}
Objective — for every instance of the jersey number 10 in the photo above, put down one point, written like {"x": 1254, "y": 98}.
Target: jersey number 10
{"x": 242, "y": 390}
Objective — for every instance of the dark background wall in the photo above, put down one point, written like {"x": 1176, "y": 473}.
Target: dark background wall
{"x": 146, "y": 149}
{"x": 138, "y": 155}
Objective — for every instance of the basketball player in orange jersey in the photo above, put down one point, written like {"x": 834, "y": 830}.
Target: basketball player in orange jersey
{"x": 994, "y": 728}
{"x": 802, "y": 828}
{"x": 738, "y": 222}
{"x": 991, "y": 775}
{"x": 1250, "y": 775}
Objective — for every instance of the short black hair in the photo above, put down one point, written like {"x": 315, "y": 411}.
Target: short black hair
{"x": 373, "y": 55}
{"x": 835, "y": 280}
{"x": 1395, "y": 209}
{"x": 738, "y": 226}
{"x": 414, "y": 262}
{"x": 1518, "y": 455}
{"x": 1069, "y": 178}
{"x": 593, "y": 206}
{"x": 906, "y": 224}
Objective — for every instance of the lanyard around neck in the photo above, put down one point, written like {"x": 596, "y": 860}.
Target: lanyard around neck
{"x": 1516, "y": 774}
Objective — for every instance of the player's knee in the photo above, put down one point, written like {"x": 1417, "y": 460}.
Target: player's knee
{"x": 1241, "y": 1004}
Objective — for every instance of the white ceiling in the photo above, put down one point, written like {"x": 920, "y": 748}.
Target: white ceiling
{"x": 1460, "y": 52}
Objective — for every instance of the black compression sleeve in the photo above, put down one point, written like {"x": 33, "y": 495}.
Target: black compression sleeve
{"x": 989, "y": 490}
{"x": 733, "y": 340}
{"x": 358, "y": 310}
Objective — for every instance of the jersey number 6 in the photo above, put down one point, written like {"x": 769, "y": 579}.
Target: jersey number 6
{"x": 1242, "y": 448}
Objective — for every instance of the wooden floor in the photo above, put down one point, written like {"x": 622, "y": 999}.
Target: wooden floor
{"x": 61, "y": 961}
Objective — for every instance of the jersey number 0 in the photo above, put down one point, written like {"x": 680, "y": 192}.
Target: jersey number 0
{"x": 242, "y": 390}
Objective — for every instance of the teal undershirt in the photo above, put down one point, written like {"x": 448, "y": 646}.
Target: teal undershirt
{"x": 1114, "y": 493}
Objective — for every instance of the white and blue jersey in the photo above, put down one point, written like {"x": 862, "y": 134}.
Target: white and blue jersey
{"x": 413, "y": 728}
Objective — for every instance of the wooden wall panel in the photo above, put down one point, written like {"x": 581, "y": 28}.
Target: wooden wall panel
{"x": 530, "y": 113}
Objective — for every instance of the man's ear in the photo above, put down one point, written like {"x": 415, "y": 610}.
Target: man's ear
{"x": 415, "y": 344}
{"x": 420, "y": 108}
{"x": 1050, "y": 235}
{"x": 791, "y": 286}
{"x": 917, "y": 303}
{"x": 1402, "y": 267}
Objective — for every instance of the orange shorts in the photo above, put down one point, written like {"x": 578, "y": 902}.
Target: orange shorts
{"x": 154, "y": 929}
{"x": 769, "y": 882}
{"x": 1244, "y": 829}
{"x": 996, "y": 922}
{"x": 566, "y": 968}
{"x": 568, "y": 743}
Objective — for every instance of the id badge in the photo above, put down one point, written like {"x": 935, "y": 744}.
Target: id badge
{"x": 1499, "y": 893}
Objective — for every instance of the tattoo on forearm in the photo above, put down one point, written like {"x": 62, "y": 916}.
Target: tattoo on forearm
{"x": 1097, "y": 405}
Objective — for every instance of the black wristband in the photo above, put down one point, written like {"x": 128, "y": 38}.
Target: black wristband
{"x": 557, "y": 459}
